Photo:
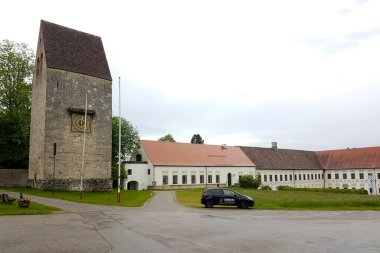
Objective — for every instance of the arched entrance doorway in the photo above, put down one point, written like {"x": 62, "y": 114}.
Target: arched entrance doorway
{"x": 133, "y": 185}
{"x": 229, "y": 179}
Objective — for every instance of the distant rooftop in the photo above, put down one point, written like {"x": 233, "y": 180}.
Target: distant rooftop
{"x": 75, "y": 51}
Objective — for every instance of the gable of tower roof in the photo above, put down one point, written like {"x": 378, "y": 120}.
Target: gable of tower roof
{"x": 74, "y": 51}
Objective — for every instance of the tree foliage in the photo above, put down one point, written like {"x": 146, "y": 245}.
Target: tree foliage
{"x": 115, "y": 174}
{"x": 197, "y": 139}
{"x": 167, "y": 138}
{"x": 129, "y": 140}
{"x": 129, "y": 146}
{"x": 16, "y": 68}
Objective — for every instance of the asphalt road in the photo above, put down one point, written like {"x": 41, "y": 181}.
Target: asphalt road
{"x": 164, "y": 226}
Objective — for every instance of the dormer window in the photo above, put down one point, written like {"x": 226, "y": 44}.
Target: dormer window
{"x": 138, "y": 158}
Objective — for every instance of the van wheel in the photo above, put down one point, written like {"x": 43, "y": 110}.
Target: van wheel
{"x": 209, "y": 204}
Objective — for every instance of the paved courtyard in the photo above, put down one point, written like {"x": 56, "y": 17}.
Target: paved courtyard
{"x": 164, "y": 226}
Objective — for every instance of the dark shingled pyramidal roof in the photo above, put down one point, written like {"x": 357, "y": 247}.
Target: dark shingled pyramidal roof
{"x": 75, "y": 51}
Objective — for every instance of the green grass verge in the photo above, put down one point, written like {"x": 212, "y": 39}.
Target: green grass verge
{"x": 292, "y": 200}
{"x": 127, "y": 198}
{"x": 34, "y": 208}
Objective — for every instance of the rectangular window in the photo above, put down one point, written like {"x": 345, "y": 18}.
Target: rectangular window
{"x": 315, "y": 176}
{"x": 275, "y": 177}
{"x": 217, "y": 179}
{"x": 280, "y": 177}
{"x": 148, "y": 171}
{"x": 319, "y": 176}
{"x": 322, "y": 176}
{"x": 265, "y": 178}
{"x": 308, "y": 176}
{"x": 210, "y": 179}
{"x": 286, "y": 178}
{"x": 361, "y": 175}
{"x": 328, "y": 176}
{"x": 165, "y": 179}
{"x": 184, "y": 179}
{"x": 295, "y": 177}
{"x": 304, "y": 177}
{"x": 202, "y": 179}
{"x": 378, "y": 175}
{"x": 337, "y": 177}
{"x": 270, "y": 178}
{"x": 290, "y": 178}
{"x": 312, "y": 178}
{"x": 129, "y": 172}
{"x": 344, "y": 175}
{"x": 175, "y": 179}
{"x": 193, "y": 179}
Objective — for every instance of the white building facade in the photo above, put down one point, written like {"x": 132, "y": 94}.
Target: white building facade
{"x": 163, "y": 165}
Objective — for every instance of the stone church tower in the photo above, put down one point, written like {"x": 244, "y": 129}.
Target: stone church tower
{"x": 69, "y": 65}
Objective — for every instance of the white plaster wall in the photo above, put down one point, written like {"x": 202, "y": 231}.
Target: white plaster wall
{"x": 356, "y": 183}
{"x": 139, "y": 174}
{"x": 313, "y": 178}
{"x": 170, "y": 171}
{"x": 317, "y": 180}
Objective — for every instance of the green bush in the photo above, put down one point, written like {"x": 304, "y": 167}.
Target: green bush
{"x": 332, "y": 190}
{"x": 247, "y": 181}
{"x": 266, "y": 188}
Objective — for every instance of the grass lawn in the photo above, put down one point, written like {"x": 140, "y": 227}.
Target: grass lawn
{"x": 292, "y": 200}
{"x": 127, "y": 198}
{"x": 34, "y": 208}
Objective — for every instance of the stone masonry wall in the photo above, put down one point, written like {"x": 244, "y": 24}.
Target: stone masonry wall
{"x": 66, "y": 89}
{"x": 37, "y": 128}
{"x": 13, "y": 177}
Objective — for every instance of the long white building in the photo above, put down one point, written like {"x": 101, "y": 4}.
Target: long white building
{"x": 165, "y": 165}
{"x": 286, "y": 167}
{"x": 355, "y": 168}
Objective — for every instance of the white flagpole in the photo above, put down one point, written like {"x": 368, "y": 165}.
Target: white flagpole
{"x": 118, "y": 177}
{"x": 84, "y": 147}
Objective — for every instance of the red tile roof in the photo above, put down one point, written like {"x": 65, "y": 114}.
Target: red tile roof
{"x": 75, "y": 51}
{"x": 354, "y": 158}
{"x": 185, "y": 154}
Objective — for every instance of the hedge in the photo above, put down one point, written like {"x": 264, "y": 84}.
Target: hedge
{"x": 333, "y": 190}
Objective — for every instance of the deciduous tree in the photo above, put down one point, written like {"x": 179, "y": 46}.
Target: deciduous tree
{"x": 197, "y": 139}
{"x": 16, "y": 68}
{"x": 129, "y": 146}
{"x": 167, "y": 138}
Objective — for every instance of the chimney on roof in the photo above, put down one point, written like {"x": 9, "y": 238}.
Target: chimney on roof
{"x": 274, "y": 144}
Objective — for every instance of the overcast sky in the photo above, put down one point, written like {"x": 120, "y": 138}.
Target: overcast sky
{"x": 303, "y": 73}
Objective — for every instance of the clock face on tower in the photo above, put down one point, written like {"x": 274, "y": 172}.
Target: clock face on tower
{"x": 78, "y": 122}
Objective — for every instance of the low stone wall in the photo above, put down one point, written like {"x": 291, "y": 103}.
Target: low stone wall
{"x": 93, "y": 184}
{"x": 13, "y": 177}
